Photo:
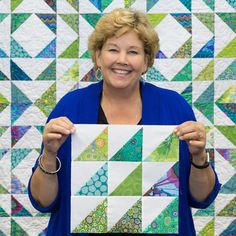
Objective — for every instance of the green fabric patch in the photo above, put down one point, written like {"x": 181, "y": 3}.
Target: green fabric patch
{"x": 167, "y": 151}
{"x": 132, "y": 150}
{"x": 167, "y": 221}
{"x": 132, "y": 185}
{"x": 131, "y": 221}
{"x": 95, "y": 222}
{"x": 97, "y": 150}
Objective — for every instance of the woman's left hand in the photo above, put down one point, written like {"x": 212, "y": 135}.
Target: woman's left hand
{"x": 195, "y": 135}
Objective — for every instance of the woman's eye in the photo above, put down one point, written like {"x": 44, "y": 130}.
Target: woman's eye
{"x": 112, "y": 50}
{"x": 133, "y": 52}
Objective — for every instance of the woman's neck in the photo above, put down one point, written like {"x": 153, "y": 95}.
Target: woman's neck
{"x": 122, "y": 106}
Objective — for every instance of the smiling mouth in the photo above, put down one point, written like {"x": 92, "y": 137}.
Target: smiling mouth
{"x": 123, "y": 72}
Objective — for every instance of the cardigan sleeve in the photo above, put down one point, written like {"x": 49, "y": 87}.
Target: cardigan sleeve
{"x": 56, "y": 112}
{"x": 202, "y": 205}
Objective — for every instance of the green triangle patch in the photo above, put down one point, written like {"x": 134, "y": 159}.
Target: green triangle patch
{"x": 209, "y": 211}
{"x": 128, "y": 3}
{"x": 185, "y": 51}
{"x": 72, "y": 74}
{"x": 155, "y": 19}
{"x": 131, "y": 150}
{"x": 229, "y": 96}
{"x": 132, "y": 185}
{"x": 95, "y": 222}
{"x": 16, "y": 229}
{"x": 49, "y": 73}
{"x": 86, "y": 55}
{"x": 167, "y": 151}
{"x": 97, "y": 150}
{"x": 17, "y": 50}
{"x": 18, "y": 19}
{"x": 229, "y": 51}
{"x": 185, "y": 74}
{"x": 47, "y": 101}
{"x": 72, "y": 20}
{"x": 230, "y": 186}
{"x": 187, "y": 94}
{"x": 92, "y": 19}
{"x": 229, "y": 19}
{"x": 3, "y": 103}
{"x": 209, "y": 229}
{"x": 205, "y": 103}
{"x": 131, "y": 221}
{"x": 17, "y": 155}
{"x": 229, "y": 132}
{"x": 3, "y": 129}
{"x": 229, "y": 210}
{"x": 74, "y": 4}
{"x": 3, "y": 213}
{"x": 3, "y": 190}
{"x": 229, "y": 73}
{"x": 154, "y": 75}
{"x": 3, "y": 16}
{"x": 227, "y": 103}
{"x": 208, "y": 19}
{"x": 3, "y": 76}
{"x": 207, "y": 73}
{"x": 210, "y": 3}
{"x": 72, "y": 51}
{"x": 161, "y": 224}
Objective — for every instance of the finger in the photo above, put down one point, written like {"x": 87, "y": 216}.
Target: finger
{"x": 52, "y": 136}
{"x": 197, "y": 144}
{"x": 67, "y": 122}
{"x": 58, "y": 128}
{"x": 189, "y": 136}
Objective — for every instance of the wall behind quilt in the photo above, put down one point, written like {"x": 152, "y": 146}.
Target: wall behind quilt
{"x": 43, "y": 55}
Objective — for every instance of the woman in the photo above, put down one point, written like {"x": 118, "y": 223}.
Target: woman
{"x": 123, "y": 47}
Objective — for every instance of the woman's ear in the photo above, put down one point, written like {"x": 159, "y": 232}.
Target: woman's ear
{"x": 97, "y": 56}
{"x": 145, "y": 65}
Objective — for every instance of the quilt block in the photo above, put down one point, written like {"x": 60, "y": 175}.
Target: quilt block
{"x": 124, "y": 179}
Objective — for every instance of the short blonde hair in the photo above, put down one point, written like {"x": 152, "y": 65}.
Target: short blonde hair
{"x": 119, "y": 22}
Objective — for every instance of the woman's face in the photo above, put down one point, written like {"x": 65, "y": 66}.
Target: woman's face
{"x": 122, "y": 60}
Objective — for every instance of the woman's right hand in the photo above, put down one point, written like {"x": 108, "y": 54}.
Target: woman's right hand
{"x": 55, "y": 133}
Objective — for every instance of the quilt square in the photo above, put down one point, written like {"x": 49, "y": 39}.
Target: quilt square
{"x": 124, "y": 179}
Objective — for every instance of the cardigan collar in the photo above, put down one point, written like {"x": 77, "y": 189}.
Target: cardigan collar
{"x": 91, "y": 103}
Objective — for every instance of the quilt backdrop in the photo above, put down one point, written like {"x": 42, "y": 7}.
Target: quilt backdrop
{"x": 43, "y": 55}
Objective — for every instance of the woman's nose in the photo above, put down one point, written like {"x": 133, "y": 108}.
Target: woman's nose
{"x": 122, "y": 58}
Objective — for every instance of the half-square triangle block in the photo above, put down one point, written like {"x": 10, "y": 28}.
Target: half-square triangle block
{"x": 97, "y": 150}
{"x": 166, "y": 151}
{"x": 95, "y": 222}
{"x": 131, "y": 150}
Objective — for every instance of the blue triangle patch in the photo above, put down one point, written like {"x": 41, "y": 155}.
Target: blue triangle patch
{"x": 19, "y": 103}
{"x": 160, "y": 55}
{"x": 207, "y": 51}
{"x": 17, "y": 73}
{"x": 3, "y": 54}
{"x": 49, "y": 51}
{"x": 150, "y": 4}
{"x": 49, "y": 20}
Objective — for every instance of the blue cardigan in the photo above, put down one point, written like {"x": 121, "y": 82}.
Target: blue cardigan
{"x": 159, "y": 107}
